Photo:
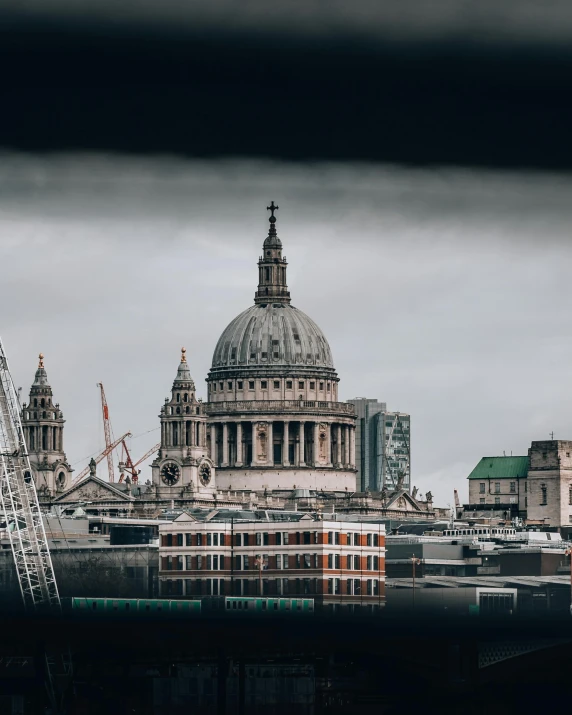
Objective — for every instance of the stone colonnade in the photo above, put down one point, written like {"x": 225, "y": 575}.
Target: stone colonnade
{"x": 189, "y": 433}
{"x": 44, "y": 438}
{"x": 284, "y": 443}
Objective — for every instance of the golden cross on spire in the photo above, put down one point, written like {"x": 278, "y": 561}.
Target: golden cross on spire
{"x": 41, "y": 363}
{"x": 183, "y": 354}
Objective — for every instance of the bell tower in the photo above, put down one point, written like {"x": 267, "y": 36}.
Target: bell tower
{"x": 43, "y": 425}
{"x": 182, "y": 466}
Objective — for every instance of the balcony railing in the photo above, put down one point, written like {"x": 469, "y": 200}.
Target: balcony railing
{"x": 275, "y": 406}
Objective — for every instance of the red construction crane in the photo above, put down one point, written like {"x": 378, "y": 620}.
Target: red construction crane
{"x": 130, "y": 466}
{"x": 107, "y": 431}
{"x": 101, "y": 456}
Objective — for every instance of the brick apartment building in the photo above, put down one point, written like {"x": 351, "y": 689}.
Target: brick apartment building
{"x": 338, "y": 563}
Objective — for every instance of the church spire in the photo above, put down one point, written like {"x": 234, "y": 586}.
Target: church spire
{"x": 272, "y": 286}
{"x": 183, "y": 373}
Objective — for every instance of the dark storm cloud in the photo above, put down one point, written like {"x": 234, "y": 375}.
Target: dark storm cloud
{"x": 441, "y": 292}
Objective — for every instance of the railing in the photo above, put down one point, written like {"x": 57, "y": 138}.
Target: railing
{"x": 281, "y": 406}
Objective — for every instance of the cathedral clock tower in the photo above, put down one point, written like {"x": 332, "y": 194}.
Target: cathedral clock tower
{"x": 182, "y": 468}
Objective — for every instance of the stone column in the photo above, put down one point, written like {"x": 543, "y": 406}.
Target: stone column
{"x": 213, "y": 443}
{"x": 347, "y": 445}
{"x": 352, "y": 447}
{"x": 329, "y": 443}
{"x": 285, "y": 445}
{"x": 270, "y": 443}
{"x": 238, "y": 444}
{"x": 338, "y": 445}
{"x": 254, "y": 444}
{"x": 301, "y": 445}
{"x": 224, "y": 444}
{"x": 316, "y": 443}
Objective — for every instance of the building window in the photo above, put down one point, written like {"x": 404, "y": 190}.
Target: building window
{"x": 312, "y": 385}
{"x": 337, "y": 537}
{"x": 179, "y": 539}
{"x": 245, "y": 563}
{"x": 209, "y": 562}
{"x": 221, "y": 385}
{"x": 357, "y": 586}
{"x": 321, "y": 387}
{"x": 229, "y": 385}
{"x": 297, "y": 564}
{"x": 330, "y": 585}
{"x": 279, "y": 561}
{"x": 301, "y": 384}
{"x": 239, "y": 384}
{"x": 525, "y": 502}
{"x": 543, "y": 495}
{"x": 251, "y": 384}
{"x": 330, "y": 537}
{"x": 307, "y": 561}
{"x": 368, "y": 539}
{"x": 258, "y": 538}
{"x": 497, "y": 487}
{"x": 337, "y": 561}
{"x": 356, "y": 539}
{"x": 285, "y": 537}
{"x": 263, "y": 384}
{"x": 285, "y": 559}
{"x": 307, "y": 539}
{"x": 199, "y": 539}
{"x": 330, "y": 561}
{"x": 544, "y": 455}
{"x": 570, "y": 495}
{"x": 526, "y": 487}
{"x": 278, "y": 536}
{"x": 349, "y": 586}
{"x": 214, "y": 386}
{"x": 246, "y": 539}
{"x": 215, "y": 539}
{"x": 199, "y": 562}
{"x": 482, "y": 488}
{"x": 209, "y": 539}
{"x": 369, "y": 563}
{"x": 513, "y": 487}
{"x": 328, "y": 386}
{"x": 376, "y": 563}
{"x": 349, "y": 563}
{"x": 288, "y": 384}
{"x": 482, "y": 500}
{"x": 356, "y": 563}
{"x": 215, "y": 562}
{"x": 276, "y": 384}
{"x": 265, "y": 539}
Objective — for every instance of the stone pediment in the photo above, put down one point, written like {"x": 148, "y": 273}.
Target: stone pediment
{"x": 92, "y": 489}
{"x": 402, "y": 500}
{"x": 185, "y": 516}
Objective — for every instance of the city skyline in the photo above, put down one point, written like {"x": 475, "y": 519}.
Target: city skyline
{"x": 118, "y": 263}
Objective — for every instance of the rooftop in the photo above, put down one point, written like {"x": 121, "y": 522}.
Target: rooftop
{"x": 500, "y": 468}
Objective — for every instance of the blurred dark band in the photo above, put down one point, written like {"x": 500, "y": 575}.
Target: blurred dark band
{"x": 200, "y": 91}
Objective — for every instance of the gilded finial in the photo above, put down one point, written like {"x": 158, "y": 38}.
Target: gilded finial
{"x": 41, "y": 363}
{"x": 183, "y": 354}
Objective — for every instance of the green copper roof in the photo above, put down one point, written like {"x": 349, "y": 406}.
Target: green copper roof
{"x": 500, "y": 468}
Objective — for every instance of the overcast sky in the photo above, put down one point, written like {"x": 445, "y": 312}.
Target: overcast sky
{"x": 444, "y": 293}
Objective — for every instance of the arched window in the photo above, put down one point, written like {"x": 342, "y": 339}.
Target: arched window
{"x": 43, "y": 402}
{"x": 198, "y": 410}
{"x": 178, "y": 397}
{"x": 35, "y": 401}
{"x": 178, "y": 410}
{"x": 185, "y": 397}
{"x": 44, "y": 415}
{"x": 35, "y": 415}
{"x": 187, "y": 409}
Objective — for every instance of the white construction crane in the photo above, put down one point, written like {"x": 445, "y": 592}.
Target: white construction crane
{"x": 20, "y": 504}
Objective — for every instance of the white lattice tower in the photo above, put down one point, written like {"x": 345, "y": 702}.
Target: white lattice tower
{"x": 20, "y": 504}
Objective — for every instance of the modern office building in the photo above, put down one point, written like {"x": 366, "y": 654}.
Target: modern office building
{"x": 383, "y": 454}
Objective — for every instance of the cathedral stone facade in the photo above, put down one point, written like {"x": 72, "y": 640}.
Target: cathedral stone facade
{"x": 43, "y": 425}
{"x": 272, "y": 433}
{"x": 274, "y": 417}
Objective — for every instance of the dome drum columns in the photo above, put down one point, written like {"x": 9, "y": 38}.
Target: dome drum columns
{"x": 265, "y": 442}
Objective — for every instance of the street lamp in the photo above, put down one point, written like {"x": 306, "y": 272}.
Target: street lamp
{"x": 415, "y": 562}
{"x": 568, "y": 552}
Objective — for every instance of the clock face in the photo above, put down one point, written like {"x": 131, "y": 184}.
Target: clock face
{"x": 205, "y": 473}
{"x": 170, "y": 474}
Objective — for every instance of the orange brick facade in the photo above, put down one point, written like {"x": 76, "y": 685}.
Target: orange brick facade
{"x": 330, "y": 561}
